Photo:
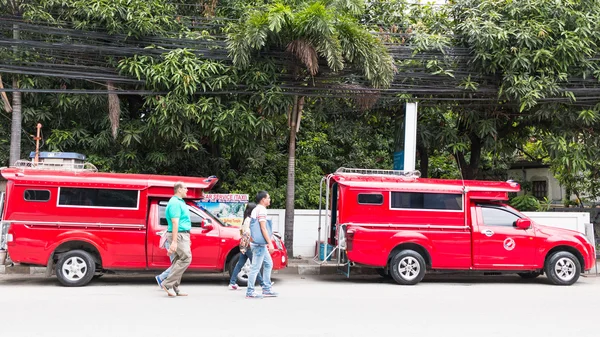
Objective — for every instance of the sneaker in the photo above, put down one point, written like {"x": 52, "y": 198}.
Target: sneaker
{"x": 159, "y": 281}
{"x": 179, "y": 293}
{"x": 269, "y": 293}
{"x": 233, "y": 287}
{"x": 254, "y": 295}
{"x": 170, "y": 292}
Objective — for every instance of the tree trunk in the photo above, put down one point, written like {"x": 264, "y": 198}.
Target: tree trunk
{"x": 423, "y": 161}
{"x": 15, "y": 130}
{"x": 294, "y": 124}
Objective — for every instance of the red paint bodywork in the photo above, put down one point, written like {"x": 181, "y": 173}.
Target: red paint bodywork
{"x": 452, "y": 239}
{"x": 126, "y": 239}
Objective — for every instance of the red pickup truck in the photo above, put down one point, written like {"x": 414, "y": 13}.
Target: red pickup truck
{"x": 81, "y": 224}
{"x": 407, "y": 226}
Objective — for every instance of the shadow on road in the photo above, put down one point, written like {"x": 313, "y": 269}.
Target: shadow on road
{"x": 450, "y": 279}
{"x": 120, "y": 279}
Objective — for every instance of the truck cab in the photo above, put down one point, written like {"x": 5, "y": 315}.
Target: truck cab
{"x": 406, "y": 226}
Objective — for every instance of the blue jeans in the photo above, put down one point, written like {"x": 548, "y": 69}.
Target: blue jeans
{"x": 260, "y": 256}
{"x": 165, "y": 273}
{"x": 240, "y": 264}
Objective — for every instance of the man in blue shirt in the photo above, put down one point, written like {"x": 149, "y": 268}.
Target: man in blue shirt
{"x": 178, "y": 234}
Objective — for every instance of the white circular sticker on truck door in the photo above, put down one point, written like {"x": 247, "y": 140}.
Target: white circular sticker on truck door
{"x": 509, "y": 244}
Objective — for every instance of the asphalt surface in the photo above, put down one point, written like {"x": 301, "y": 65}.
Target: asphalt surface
{"x": 329, "y": 305}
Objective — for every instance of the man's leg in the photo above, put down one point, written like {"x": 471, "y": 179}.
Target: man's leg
{"x": 259, "y": 275}
{"x": 181, "y": 262}
{"x": 267, "y": 268}
{"x": 258, "y": 255}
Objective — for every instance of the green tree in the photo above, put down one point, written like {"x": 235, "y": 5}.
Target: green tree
{"x": 308, "y": 32}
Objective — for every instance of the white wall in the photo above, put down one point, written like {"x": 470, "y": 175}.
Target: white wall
{"x": 306, "y": 225}
{"x": 555, "y": 191}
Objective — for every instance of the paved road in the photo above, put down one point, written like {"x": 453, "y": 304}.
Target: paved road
{"x": 117, "y": 306}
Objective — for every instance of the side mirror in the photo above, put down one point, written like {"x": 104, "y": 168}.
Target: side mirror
{"x": 207, "y": 224}
{"x": 523, "y": 223}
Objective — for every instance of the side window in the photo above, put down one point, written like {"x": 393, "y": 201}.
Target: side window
{"x": 370, "y": 199}
{"x": 417, "y": 200}
{"x": 195, "y": 218}
{"x": 498, "y": 217}
{"x": 36, "y": 195}
{"x": 97, "y": 197}
{"x": 161, "y": 215}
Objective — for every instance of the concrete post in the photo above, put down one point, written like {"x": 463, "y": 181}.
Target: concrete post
{"x": 410, "y": 137}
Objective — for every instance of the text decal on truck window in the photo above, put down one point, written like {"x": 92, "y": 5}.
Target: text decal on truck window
{"x": 36, "y": 195}
{"x": 98, "y": 197}
{"x": 432, "y": 201}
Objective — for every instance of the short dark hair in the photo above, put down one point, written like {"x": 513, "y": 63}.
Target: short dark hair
{"x": 260, "y": 196}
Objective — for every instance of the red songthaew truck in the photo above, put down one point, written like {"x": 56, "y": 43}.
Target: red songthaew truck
{"x": 80, "y": 223}
{"x": 406, "y": 226}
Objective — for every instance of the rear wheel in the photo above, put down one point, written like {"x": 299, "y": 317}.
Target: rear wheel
{"x": 75, "y": 268}
{"x": 563, "y": 268}
{"x": 408, "y": 267}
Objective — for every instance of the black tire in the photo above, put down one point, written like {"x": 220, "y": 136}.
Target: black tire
{"x": 563, "y": 268}
{"x": 530, "y": 275}
{"x": 384, "y": 272}
{"x": 413, "y": 264}
{"x": 242, "y": 279}
{"x": 79, "y": 268}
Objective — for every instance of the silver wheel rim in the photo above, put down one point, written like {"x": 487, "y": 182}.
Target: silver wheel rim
{"x": 565, "y": 269}
{"x": 409, "y": 268}
{"x": 243, "y": 274}
{"x": 74, "y": 269}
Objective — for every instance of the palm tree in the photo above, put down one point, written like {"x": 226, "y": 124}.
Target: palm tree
{"x": 310, "y": 32}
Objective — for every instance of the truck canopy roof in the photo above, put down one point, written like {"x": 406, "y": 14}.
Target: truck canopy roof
{"x": 383, "y": 182}
{"x": 157, "y": 185}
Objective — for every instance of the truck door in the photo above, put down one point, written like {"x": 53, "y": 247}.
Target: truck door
{"x": 498, "y": 243}
{"x": 205, "y": 243}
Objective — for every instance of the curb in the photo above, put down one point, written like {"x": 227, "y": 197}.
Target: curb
{"x": 22, "y": 270}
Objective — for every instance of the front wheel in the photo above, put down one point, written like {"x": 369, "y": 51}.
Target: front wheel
{"x": 75, "y": 268}
{"x": 242, "y": 276}
{"x": 408, "y": 267}
{"x": 563, "y": 268}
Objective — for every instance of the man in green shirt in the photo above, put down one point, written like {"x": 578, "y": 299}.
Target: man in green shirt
{"x": 178, "y": 234}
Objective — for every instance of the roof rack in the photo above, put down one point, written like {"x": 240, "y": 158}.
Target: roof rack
{"x": 378, "y": 172}
{"x": 85, "y": 167}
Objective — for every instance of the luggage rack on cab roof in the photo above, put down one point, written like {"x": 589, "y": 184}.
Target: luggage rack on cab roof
{"x": 82, "y": 167}
{"x": 379, "y": 172}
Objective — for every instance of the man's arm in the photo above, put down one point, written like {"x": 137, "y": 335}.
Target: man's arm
{"x": 265, "y": 233}
{"x": 173, "y": 246}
